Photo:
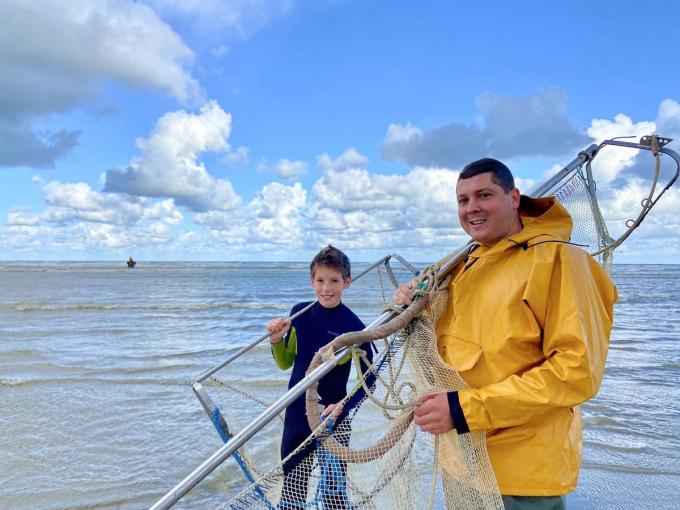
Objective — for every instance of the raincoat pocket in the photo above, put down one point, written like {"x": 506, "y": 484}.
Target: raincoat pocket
{"x": 461, "y": 354}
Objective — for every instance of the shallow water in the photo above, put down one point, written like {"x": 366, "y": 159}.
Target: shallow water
{"x": 96, "y": 363}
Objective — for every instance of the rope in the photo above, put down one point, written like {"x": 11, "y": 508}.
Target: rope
{"x": 356, "y": 338}
{"x": 243, "y": 393}
{"x": 358, "y": 355}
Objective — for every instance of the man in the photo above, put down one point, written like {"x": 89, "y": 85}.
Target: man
{"x": 527, "y": 326}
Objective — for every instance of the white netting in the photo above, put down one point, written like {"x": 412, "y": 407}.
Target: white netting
{"x": 577, "y": 194}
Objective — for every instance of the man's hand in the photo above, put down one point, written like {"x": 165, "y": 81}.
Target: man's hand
{"x": 335, "y": 409}
{"x": 278, "y": 328}
{"x": 433, "y": 414}
{"x": 404, "y": 294}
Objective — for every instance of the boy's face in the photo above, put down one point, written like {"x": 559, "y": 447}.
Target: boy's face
{"x": 329, "y": 285}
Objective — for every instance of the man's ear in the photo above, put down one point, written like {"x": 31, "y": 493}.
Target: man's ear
{"x": 515, "y": 197}
{"x": 348, "y": 281}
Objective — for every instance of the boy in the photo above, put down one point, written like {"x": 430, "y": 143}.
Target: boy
{"x": 328, "y": 318}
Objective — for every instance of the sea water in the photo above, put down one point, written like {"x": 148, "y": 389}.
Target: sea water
{"x": 96, "y": 362}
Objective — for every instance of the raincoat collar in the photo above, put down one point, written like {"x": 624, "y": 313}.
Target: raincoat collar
{"x": 541, "y": 217}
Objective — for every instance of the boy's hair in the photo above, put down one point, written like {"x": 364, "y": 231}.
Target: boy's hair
{"x": 500, "y": 174}
{"x": 332, "y": 257}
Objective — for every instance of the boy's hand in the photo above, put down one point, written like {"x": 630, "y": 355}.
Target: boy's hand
{"x": 336, "y": 409}
{"x": 433, "y": 414}
{"x": 278, "y": 328}
{"x": 404, "y": 294}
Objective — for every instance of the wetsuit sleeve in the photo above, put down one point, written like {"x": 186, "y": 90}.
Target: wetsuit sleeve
{"x": 284, "y": 351}
{"x": 573, "y": 304}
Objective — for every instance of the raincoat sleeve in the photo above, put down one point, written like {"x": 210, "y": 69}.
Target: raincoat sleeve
{"x": 572, "y": 301}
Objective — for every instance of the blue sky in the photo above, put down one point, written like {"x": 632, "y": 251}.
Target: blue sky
{"x": 263, "y": 130}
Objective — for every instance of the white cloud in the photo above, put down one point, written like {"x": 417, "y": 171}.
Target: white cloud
{"x": 354, "y": 207}
{"x": 656, "y": 235}
{"x": 406, "y": 134}
{"x": 668, "y": 122}
{"x": 78, "y": 202}
{"x": 512, "y": 127}
{"x": 93, "y": 41}
{"x": 22, "y": 217}
{"x": 287, "y": 169}
{"x": 276, "y": 212}
{"x": 275, "y": 217}
{"x": 56, "y": 56}
{"x": 239, "y": 157}
{"x": 77, "y": 218}
{"x": 351, "y": 158}
{"x": 168, "y": 165}
{"x": 242, "y": 17}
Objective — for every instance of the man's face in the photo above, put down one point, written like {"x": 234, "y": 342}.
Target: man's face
{"x": 329, "y": 285}
{"x": 486, "y": 212}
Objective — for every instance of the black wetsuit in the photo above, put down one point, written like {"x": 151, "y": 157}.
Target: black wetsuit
{"x": 308, "y": 333}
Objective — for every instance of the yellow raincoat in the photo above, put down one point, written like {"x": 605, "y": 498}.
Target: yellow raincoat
{"x": 527, "y": 325}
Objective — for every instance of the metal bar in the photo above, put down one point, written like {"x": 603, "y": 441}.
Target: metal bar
{"x": 584, "y": 155}
{"x": 405, "y": 263}
{"x": 390, "y": 274}
{"x": 209, "y": 406}
{"x": 672, "y": 154}
{"x": 372, "y": 266}
{"x": 632, "y": 145}
{"x": 665, "y": 150}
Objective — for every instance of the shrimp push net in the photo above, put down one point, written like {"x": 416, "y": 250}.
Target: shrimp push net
{"x": 372, "y": 455}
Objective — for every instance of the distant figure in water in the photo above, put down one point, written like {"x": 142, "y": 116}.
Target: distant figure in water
{"x": 131, "y": 263}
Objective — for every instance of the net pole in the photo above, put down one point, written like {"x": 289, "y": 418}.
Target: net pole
{"x": 583, "y": 157}
{"x": 245, "y": 349}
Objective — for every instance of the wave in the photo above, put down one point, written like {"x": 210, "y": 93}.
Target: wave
{"x": 246, "y": 384}
{"x": 628, "y": 469}
{"x": 92, "y": 380}
{"x": 597, "y": 421}
{"x": 169, "y": 307}
{"x": 620, "y": 447}
{"x": 144, "y": 370}
{"x": 180, "y": 355}
{"x": 15, "y": 382}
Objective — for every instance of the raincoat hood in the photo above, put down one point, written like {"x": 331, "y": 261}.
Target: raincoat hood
{"x": 543, "y": 218}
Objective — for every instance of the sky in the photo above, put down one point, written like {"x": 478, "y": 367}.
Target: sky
{"x": 261, "y": 130}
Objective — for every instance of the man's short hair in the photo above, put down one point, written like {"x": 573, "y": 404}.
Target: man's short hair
{"x": 500, "y": 174}
{"x": 330, "y": 256}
